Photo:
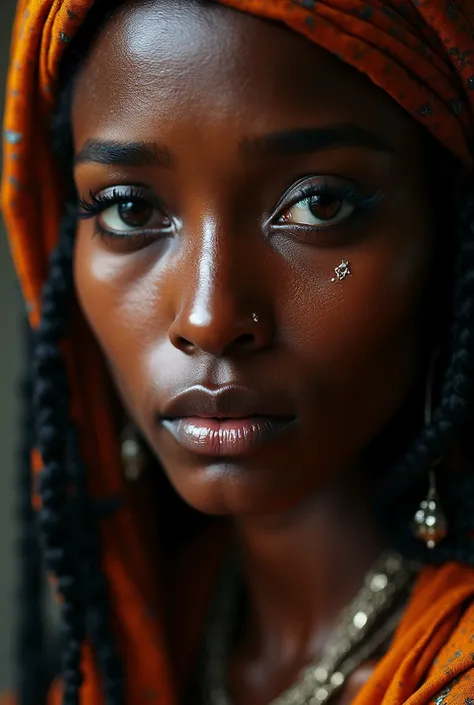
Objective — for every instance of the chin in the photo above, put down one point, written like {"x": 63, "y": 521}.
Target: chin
{"x": 225, "y": 488}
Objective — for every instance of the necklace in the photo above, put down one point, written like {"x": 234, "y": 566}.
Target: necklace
{"x": 366, "y": 624}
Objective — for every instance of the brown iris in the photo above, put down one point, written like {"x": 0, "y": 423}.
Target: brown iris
{"x": 136, "y": 214}
{"x": 325, "y": 206}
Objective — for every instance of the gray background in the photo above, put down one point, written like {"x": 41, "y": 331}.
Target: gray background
{"x": 10, "y": 308}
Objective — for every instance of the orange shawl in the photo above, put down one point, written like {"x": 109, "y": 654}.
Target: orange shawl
{"x": 421, "y": 52}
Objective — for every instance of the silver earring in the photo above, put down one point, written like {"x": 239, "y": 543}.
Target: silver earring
{"x": 132, "y": 453}
{"x": 342, "y": 271}
{"x": 429, "y": 523}
{"x": 255, "y": 317}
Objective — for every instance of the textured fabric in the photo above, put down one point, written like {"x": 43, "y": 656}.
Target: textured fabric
{"x": 420, "y": 52}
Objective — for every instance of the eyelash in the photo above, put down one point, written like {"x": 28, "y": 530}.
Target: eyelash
{"x": 97, "y": 204}
{"x": 346, "y": 192}
{"x": 349, "y": 192}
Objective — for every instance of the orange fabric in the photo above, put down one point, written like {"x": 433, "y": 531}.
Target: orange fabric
{"x": 421, "y": 52}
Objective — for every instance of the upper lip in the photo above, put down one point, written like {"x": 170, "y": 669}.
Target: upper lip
{"x": 225, "y": 402}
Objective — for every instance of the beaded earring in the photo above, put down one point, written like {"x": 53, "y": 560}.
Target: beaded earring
{"x": 133, "y": 454}
{"x": 429, "y": 523}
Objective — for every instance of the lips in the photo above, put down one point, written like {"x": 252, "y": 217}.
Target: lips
{"x": 227, "y": 421}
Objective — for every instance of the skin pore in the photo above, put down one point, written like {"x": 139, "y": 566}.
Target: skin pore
{"x": 256, "y": 163}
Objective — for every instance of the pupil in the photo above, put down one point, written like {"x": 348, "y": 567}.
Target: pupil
{"x": 325, "y": 207}
{"x": 135, "y": 214}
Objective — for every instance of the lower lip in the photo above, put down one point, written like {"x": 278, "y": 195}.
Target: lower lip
{"x": 228, "y": 437}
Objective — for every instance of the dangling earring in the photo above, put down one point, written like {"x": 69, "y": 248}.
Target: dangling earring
{"x": 429, "y": 523}
{"x": 133, "y": 455}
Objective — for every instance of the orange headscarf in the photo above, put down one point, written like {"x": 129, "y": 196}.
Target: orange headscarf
{"x": 421, "y": 52}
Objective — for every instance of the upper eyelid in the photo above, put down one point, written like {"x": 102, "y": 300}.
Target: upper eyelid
{"x": 115, "y": 192}
{"x": 314, "y": 182}
{"x": 303, "y": 188}
{"x": 108, "y": 197}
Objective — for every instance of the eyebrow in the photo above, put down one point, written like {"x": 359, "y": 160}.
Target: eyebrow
{"x": 289, "y": 142}
{"x": 306, "y": 140}
{"x": 112, "y": 152}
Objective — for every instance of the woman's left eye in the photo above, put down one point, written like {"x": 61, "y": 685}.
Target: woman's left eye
{"x": 318, "y": 210}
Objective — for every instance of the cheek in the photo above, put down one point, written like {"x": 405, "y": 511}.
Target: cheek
{"x": 358, "y": 341}
{"x": 122, "y": 306}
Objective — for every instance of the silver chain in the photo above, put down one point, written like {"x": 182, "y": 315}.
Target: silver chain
{"x": 361, "y": 631}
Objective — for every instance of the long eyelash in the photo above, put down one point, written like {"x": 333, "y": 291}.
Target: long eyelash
{"x": 96, "y": 204}
{"x": 348, "y": 192}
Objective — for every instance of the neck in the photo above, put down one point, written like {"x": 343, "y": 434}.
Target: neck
{"x": 303, "y": 567}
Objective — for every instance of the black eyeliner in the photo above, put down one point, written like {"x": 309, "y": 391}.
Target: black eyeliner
{"x": 347, "y": 192}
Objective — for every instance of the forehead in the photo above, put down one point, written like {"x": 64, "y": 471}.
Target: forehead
{"x": 196, "y": 64}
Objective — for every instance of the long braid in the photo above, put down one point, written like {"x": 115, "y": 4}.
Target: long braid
{"x": 73, "y": 556}
{"x": 29, "y": 650}
{"x": 449, "y": 422}
{"x": 51, "y": 410}
{"x": 95, "y": 585}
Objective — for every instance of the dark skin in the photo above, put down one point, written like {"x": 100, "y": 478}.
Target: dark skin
{"x": 216, "y": 238}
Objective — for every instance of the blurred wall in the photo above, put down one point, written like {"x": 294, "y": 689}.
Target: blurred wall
{"x": 10, "y": 308}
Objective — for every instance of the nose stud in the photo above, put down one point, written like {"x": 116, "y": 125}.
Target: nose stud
{"x": 342, "y": 271}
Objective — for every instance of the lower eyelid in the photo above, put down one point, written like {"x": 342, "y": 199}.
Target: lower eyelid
{"x": 124, "y": 236}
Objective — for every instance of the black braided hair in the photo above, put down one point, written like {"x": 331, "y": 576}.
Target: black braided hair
{"x": 71, "y": 546}
{"x": 51, "y": 411}
{"x": 399, "y": 489}
{"x": 71, "y": 556}
{"x": 94, "y": 583}
{"x": 29, "y": 653}
{"x": 66, "y": 521}
{"x": 75, "y": 558}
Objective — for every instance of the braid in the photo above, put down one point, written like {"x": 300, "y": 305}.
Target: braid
{"x": 449, "y": 422}
{"x": 30, "y": 667}
{"x": 95, "y": 584}
{"x": 51, "y": 409}
{"x": 72, "y": 556}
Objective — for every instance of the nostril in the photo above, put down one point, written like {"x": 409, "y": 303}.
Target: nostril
{"x": 184, "y": 344}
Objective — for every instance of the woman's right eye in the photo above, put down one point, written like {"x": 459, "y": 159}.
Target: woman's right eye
{"x": 126, "y": 213}
{"x": 128, "y": 217}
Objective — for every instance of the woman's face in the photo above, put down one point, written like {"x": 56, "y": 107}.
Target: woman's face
{"x": 229, "y": 167}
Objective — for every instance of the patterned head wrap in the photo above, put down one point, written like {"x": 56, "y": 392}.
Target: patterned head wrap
{"x": 420, "y": 52}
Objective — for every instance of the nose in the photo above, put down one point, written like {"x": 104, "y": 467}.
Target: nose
{"x": 222, "y": 309}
